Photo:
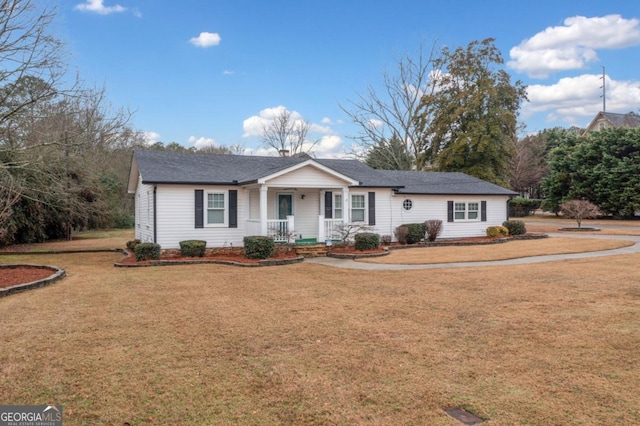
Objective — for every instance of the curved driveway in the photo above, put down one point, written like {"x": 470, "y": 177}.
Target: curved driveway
{"x": 350, "y": 264}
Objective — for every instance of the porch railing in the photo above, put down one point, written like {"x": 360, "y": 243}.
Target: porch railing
{"x": 331, "y": 231}
{"x": 278, "y": 230}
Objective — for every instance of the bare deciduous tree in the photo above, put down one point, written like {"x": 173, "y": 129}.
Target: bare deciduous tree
{"x": 579, "y": 210}
{"x": 27, "y": 49}
{"x": 393, "y": 112}
{"x": 288, "y": 134}
{"x": 528, "y": 165}
{"x": 9, "y": 196}
{"x": 347, "y": 231}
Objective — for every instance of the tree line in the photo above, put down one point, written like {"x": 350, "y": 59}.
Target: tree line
{"x": 65, "y": 152}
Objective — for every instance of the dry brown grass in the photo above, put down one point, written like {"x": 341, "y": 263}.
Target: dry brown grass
{"x": 541, "y": 223}
{"x": 91, "y": 240}
{"x": 488, "y": 252}
{"x": 542, "y": 227}
{"x": 554, "y": 343}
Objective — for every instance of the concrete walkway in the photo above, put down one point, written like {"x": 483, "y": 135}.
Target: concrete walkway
{"x": 351, "y": 264}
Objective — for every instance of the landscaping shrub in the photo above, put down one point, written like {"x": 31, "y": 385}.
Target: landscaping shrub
{"x": 520, "y": 207}
{"x": 415, "y": 232}
{"x": 258, "y": 247}
{"x": 497, "y": 231}
{"x": 131, "y": 245}
{"x": 386, "y": 239}
{"x": 193, "y": 248}
{"x": 433, "y": 229}
{"x": 515, "y": 227}
{"x": 367, "y": 241}
{"x": 401, "y": 234}
{"x": 146, "y": 251}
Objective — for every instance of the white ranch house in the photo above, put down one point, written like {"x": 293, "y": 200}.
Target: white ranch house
{"x": 223, "y": 198}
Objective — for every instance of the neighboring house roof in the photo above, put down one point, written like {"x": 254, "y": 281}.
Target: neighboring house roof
{"x": 167, "y": 167}
{"x": 630, "y": 119}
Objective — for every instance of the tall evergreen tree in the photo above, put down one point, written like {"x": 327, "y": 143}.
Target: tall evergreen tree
{"x": 472, "y": 115}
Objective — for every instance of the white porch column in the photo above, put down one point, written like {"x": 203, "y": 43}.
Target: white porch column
{"x": 291, "y": 227}
{"x": 263, "y": 209}
{"x": 346, "y": 205}
{"x": 321, "y": 235}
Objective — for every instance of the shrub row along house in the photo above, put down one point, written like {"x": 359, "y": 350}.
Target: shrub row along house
{"x": 223, "y": 198}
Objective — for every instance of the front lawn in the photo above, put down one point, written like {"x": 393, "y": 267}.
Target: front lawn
{"x": 553, "y": 343}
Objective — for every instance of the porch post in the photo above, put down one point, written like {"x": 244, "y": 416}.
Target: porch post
{"x": 263, "y": 209}
{"x": 291, "y": 229}
{"x": 321, "y": 235}
{"x": 346, "y": 205}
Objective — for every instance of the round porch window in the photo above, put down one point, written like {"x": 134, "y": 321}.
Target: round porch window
{"x": 407, "y": 204}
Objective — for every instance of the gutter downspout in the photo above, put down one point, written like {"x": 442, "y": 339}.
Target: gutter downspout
{"x": 155, "y": 215}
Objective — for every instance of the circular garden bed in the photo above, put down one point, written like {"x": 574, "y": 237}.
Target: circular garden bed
{"x": 20, "y": 277}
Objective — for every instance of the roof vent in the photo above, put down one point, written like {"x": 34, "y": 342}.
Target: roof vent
{"x": 283, "y": 152}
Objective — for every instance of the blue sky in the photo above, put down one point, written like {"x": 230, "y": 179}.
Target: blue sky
{"x": 215, "y": 71}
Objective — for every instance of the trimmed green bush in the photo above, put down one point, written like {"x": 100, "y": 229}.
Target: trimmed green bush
{"x": 147, "y": 251}
{"x": 497, "y": 231}
{"x": 367, "y": 241}
{"x": 520, "y": 207}
{"x": 415, "y": 232}
{"x": 433, "y": 228}
{"x": 258, "y": 247}
{"x": 515, "y": 227}
{"x": 193, "y": 248}
{"x": 131, "y": 245}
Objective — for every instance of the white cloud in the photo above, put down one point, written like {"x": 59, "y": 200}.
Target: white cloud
{"x": 201, "y": 142}
{"x": 206, "y": 39}
{"x": 151, "y": 137}
{"x": 573, "y": 45}
{"x": 228, "y": 72}
{"x": 316, "y": 128}
{"x": 97, "y": 6}
{"x": 375, "y": 123}
{"x": 254, "y": 125}
{"x": 575, "y": 100}
{"x": 329, "y": 146}
{"x": 327, "y": 120}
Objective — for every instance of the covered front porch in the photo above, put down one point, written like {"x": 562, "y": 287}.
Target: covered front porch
{"x": 297, "y": 215}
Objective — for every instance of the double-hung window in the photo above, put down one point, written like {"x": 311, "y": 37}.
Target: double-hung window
{"x": 216, "y": 204}
{"x": 357, "y": 208}
{"x": 337, "y": 206}
{"x": 466, "y": 211}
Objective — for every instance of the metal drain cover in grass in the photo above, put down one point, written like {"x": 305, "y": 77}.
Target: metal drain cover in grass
{"x": 463, "y": 417}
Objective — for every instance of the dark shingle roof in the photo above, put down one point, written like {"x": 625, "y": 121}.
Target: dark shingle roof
{"x": 180, "y": 167}
{"x": 443, "y": 183}
{"x": 189, "y": 168}
{"x": 630, "y": 119}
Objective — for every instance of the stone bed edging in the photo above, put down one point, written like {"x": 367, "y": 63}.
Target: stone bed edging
{"x": 264, "y": 262}
{"x": 453, "y": 242}
{"x": 58, "y": 274}
{"x": 358, "y": 255}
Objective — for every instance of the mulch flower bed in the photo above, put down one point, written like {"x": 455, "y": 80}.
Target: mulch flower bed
{"x": 22, "y": 274}
{"x": 221, "y": 258}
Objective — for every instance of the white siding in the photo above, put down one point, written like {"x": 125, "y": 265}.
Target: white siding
{"x": 306, "y": 213}
{"x": 309, "y": 177}
{"x": 390, "y": 213}
{"x": 144, "y": 212}
{"x": 254, "y": 204}
{"x": 176, "y": 217}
